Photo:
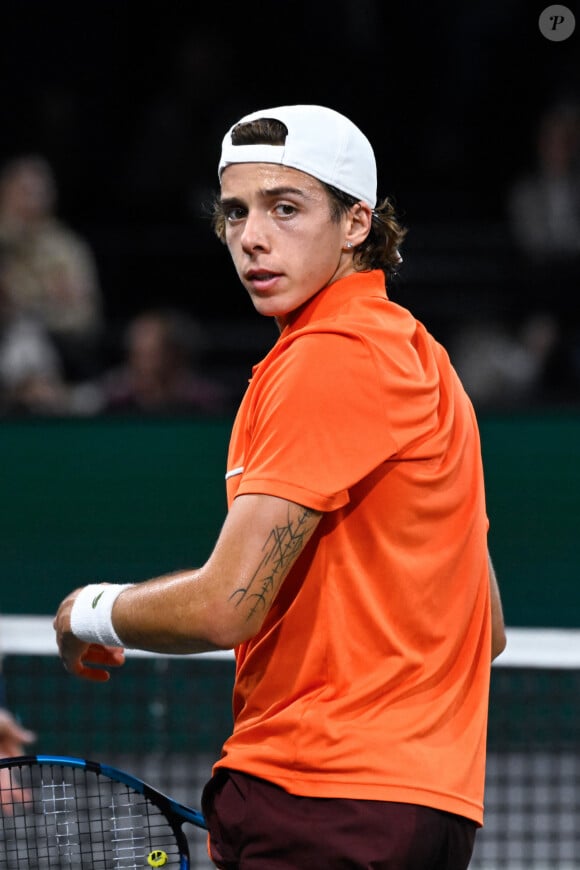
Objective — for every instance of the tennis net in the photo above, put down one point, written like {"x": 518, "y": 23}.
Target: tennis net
{"x": 166, "y": 719}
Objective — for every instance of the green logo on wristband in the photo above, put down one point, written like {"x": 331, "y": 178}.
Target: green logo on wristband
{"x": 96, "y": 599}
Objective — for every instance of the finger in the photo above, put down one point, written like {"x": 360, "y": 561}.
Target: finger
{"x": 19, "y": 735}
{"x": 10, "y": 748}
{"x": 89, "y": 672}
{"x": 112, "y": 656}
{"x": 95, "y": 675}
{"x": 11, "y": 731}
{"x": 11, "y": 794}
{"x": 25, "y": 735}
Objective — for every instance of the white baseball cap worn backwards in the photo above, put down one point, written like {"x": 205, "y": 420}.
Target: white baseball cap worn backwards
{"x": 321, "y": 142}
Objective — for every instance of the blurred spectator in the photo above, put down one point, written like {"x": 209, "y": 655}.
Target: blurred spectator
{"x": 13, "y": 739}
{"x": 31, "y": 379}
{"x": 544, "y": 206}
{"x": 51, "y": 272}
{"x": 13, "y": 736}
{"x": 160, "y": 370}
{"x": 503, "y": 367}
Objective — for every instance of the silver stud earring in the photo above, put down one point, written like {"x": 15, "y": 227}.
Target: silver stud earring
{"x": 348, "y": 245}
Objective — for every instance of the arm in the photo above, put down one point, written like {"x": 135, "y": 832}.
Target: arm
{"x": 217, "y": 606}
{"x": 498, "y": 638}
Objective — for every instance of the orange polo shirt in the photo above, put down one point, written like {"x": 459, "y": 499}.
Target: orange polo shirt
{"x": 370, "y": 676}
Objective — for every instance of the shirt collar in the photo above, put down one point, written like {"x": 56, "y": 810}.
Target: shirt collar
{"x": 328, "y": 301}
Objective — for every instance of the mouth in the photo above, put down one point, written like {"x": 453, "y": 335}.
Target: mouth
{"x": 261, "y": 279}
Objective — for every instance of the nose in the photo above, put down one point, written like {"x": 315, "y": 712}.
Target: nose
{"x": 254, "y": 235}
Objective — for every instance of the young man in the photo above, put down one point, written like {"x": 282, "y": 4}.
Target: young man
{"x": 351, "y": 575}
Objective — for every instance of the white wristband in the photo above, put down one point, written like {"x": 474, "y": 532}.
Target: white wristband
{"x": 90, "y": 618}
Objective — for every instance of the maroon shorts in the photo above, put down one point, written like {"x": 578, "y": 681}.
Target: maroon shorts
{"x": 254, "y": 825}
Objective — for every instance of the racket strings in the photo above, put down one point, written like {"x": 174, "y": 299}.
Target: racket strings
{"x": 128, "y": 826}
{"x": 58, "y": 808}
{"x": 62, "y": 817}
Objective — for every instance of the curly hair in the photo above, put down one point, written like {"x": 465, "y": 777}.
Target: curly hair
{"x": 380, "y": 249}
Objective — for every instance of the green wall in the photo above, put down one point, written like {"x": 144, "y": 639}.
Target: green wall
{"x": 532, "y": 466}
{"x": 125, "y": 499}
{"x": 113, "y": 500}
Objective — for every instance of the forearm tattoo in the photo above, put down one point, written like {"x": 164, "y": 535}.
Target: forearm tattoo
{"x": 281, "y": 548}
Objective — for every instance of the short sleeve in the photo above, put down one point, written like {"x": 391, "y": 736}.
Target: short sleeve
{"x": 320, "y": 424}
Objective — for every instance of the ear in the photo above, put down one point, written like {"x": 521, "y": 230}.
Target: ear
{"x": 358, "y": 224}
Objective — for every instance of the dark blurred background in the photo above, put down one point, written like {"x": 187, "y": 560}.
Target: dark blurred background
{"x": 128, "y": 102}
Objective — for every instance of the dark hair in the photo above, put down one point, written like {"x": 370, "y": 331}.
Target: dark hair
{"x": 380, "y": 249}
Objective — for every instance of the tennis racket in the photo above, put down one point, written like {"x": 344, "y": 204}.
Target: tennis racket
{"x": 60, "y": 812}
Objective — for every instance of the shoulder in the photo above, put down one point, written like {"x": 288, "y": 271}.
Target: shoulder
{"x": 59, "y": 236}
{"x": 318, "y": 355}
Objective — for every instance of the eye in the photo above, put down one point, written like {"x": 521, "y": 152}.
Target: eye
{"x": 234, "y": 213}
{"x": 285, "y": 209}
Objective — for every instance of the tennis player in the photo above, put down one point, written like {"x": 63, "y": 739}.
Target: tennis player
{"x": 351, "y": 574}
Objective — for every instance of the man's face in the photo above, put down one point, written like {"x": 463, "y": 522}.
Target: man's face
{"x": 280, "y": 234}
{"x": 27, "y": 194}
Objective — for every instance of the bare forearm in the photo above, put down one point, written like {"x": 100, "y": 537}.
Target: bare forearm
{"x": 171, "y": 614}
{"x": 225, "y": 602}
{"x": 217, "y": 606}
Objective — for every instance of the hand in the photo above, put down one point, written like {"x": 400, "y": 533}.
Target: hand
{"x": 10, "y": 793}
{"x": 88, "y": 660}
{"x": 13, "y": 737}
